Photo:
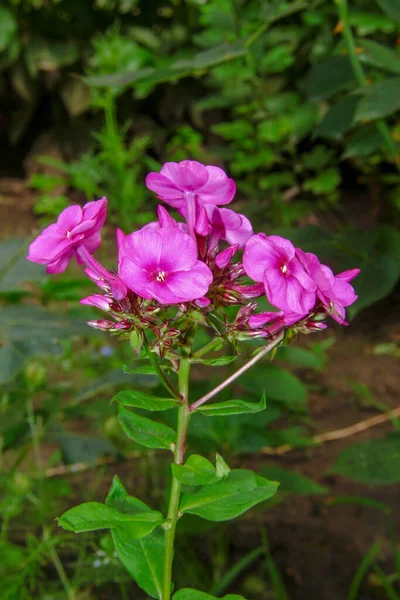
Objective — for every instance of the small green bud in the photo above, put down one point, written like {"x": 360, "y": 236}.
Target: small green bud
{"x": 136, "y": 341}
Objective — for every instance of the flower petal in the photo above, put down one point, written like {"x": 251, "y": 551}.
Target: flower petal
{"x": 219, "y": 189}
{"x": 135, "y": 278}
{"x": 190, "y": 285}
{"x": 259, "y": 255}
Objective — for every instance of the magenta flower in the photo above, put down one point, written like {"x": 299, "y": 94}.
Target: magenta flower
{"x": 188, "y": 185}
{"x": 335, "y": 293}
{"x": 227, "y": 225}
{"x": 271, "y": 260}
{"x": 98, "y": 301}
{"x": 163, "y": 265}
{"x": 76, "y": 227}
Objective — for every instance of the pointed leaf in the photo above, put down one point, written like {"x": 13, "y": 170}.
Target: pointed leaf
{"x": 145, "y": 431}
{"x": 375, "y": 462}
{"x": 190, "y": 594}
{"x": 379, "y": 56}
{"x": 196, "y": 471}
{"x": 94, "y": 515}
{"x": 145, "y": 401}
{"x": 232, "y": 407}
{"x": 218, "y": 361}
{"x": 229, "y": 498}
{"x": 142, "y": 558}
{"x": 379, "y": 100}
{"x": 329, "y": 76}
{"x": 338, "y": 119}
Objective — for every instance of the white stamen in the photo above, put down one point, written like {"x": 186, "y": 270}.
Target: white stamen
{"x": 284, "y": 269}
{"x": 68, "y": 234}
{"x": 160, "y": 276}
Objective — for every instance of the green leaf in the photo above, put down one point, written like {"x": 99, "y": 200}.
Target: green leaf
{"x": 145, "y": 431}
{"x": 196, "y": 471}
{"x": 292, "y": 482}
{"x": 8, "y": 27}
{"x": 379, "y": 56}
{"x": 325, "y": 183}
{"x": 300, "y": 357}
{"x": 94, "y": 515}
{"x": 329, "y": 76}
{"x": 229, "y": 498}
{"x": 15, "y": 270}
{"x": 218, "y": 361}
{"x": 142, "y": 558}
{"x": 232, "y": 407}
{"x": 374, "y": 462}
{"x": 379, "y": 100}
{"x": 190, "y": 594}
{"x": 145, "y": 401}
{"x": 338, "y": 119}
{"x": 280, "y": 386}
{"x": 391, "y": 8}
{"x": 364, "y": 142}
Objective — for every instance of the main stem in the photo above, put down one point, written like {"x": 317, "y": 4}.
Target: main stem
{"x": 179, "y": 455}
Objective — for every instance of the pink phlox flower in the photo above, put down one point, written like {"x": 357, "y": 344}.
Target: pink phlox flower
{"x": 163, "y": 265}
{"x": 227, "y": 225}
{"x": 335, "y": 292}
{"x": 76, "y": 227}
{"x": 188, "y": 185}
{"x": 270, "y": 317}
{"x": 271, "y": 260}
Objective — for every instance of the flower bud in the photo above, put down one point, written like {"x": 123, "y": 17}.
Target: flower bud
{"x": 100, "y": 324}
{"x": 101, "y": 302}
{"x": 223, "y": 259}
{"x": 202, "y": 302}
{"x": 136, "y": 341}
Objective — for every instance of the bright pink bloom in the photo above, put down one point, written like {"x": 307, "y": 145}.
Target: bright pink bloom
{"x": 335, "y": 293}
{"x": 163, "y": 265}
{"x": 271, "y": 260}
{"x": 76, "y": 227}
{"x": 227, "y": 225}
{"x": 188, "y": 185}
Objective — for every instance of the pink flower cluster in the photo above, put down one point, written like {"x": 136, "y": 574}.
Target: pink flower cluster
{"x": 173, "y": 263}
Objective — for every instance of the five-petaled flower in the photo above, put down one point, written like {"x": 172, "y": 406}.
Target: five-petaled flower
{"x": 162, "y": 265}
{"x": 76, "y": 227}
{"x": 272, "y": 261}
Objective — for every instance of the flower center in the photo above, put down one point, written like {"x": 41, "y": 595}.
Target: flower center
{"x": 68, "y": 234}
{"x": 284, "y": 269}
{"x": 161, "y": 276}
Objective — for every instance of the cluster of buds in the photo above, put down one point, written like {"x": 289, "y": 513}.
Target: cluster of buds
{"x": 198, "y": 266}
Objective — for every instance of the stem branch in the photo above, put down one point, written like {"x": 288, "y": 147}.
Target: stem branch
{"x": 161, "y": 375}
{"x": 273, "y": 344}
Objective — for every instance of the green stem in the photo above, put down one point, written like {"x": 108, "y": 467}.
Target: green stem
{"x": 161, "y": 375}
{"x": 360, "y": 75}
{"x": 207, "y": 348}
{"x": 179, "y": 456}
{"x": 59, "y": 567}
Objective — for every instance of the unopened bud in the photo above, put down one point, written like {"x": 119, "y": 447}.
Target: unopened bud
{"x": 98, "y": 301}
{"x": 202, "y": 302}
{"x": 173, "y": 333}
{"x": 100, "y": 324}
{"x": 223, "y": 259}
{"x": 122, "y": 326}
{"x": 136, "y": 341}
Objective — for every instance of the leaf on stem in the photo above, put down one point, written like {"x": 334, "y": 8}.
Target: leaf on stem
{"x": 145, "y": 401}
{"x": 142, "y": 558}
{"x": 91, "y": 516}
{"x": 241, "y": 490}
{"x": 232, "y": 407}
{"x": 145, "y": 431}
{"x": 190, "y": 594}
{"x": 196, "y": 471}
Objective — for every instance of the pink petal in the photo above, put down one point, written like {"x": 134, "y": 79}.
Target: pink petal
{"x": 343, "y": 293}
{"x": 164, "y": 218}
{"x": 98, "y": 301}
{"x": 224, "y": 258}
{"x": 263, "y": 318}
{"x": 282, "y": 246}
{"x": 259, "y": 255}
{"x": 164, "y": 188}
{"x": 241, "y": 234}
{"x": 69, "y": 218}
{"x": 135, "y": 278}
{"x": 192, "y": 284}
{"x": 348, "y": 275}
{"x": 297, "y": 270}
{"x": 60, "y": 264}
{"x": 144, "y": 248}
{"x": 178, "y": 253}
{"x": 219, "y": 189}
{"x": 188, "y": 175}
